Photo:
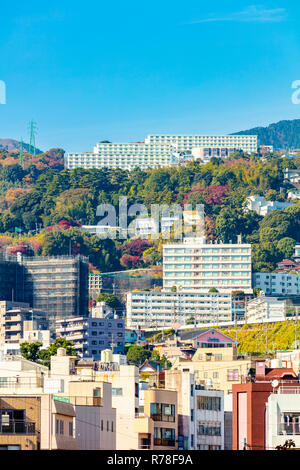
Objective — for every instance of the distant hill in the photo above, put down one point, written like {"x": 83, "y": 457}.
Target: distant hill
{"x": 12, "y": 145}
{"x": 282, "y": 134}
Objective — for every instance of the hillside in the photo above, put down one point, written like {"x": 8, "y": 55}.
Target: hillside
{"x": 12, "y": 145}
{"x": 282, "y": 134}
{"x": 252, "y": 338}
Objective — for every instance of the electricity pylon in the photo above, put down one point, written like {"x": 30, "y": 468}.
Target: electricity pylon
{"x": 32, "y": 132}
{"x": 21, "y": 154}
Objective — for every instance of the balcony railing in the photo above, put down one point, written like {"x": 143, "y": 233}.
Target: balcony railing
{"x": 17, "y": 427}
{"x": 162, "y": 417}
{"x": 291, "y": 429}
{"x": 164, "y": 442}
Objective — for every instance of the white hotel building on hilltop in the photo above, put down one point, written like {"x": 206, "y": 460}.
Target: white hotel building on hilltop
{"x": 160, "y": 150}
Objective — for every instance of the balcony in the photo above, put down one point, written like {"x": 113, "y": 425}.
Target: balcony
{"x": 17, "y": 427}
{"x": 162, "y": 417}
{"x": 164, "y": 442}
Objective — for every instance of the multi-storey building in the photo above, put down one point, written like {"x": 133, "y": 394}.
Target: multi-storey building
{"x": 74, "y": 412}
{"x": 95, "y": 284}
{"x": 261, "y": 309}
{"x": 200, "y": 412}
{"x": 283, "y": 416}
{"x": 156, "y": 150}
{"x": 29, "y": 422}
{"x": 20, "y": 322}
{"x": 195, "y": 265}
{"x": 163, "y": 309}
{"x": 56, "y": 285}
{"x": 91, "y": 335}
{"x": 284, "y": 284}
{"x": 263, "y": 207}
{"x": 215, "y": 363}
{"x": 291, "y": 175}
{"x": 259, "y": 423}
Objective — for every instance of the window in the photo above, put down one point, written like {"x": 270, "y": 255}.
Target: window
{"x": 232, "y": 374}
{"x": 117, "y": 391}
{"x": 162, "y": 412}
{"x": 112, "y": 426}
{"x": 61, "y": 427}
{"x": 209, "y": 403}
{"x": 107, "y": 426}
{"x": 101, "y": 424}
{"x": 57, "y": 426}
{"x": 206, "y": 428}
{"x": 164, "y": 437}
{"x": 71, "y": 429}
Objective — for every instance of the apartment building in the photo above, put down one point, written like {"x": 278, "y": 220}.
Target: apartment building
{"x": 283, "y": 416}
{"x": 124, "y": 380}
{"x": 200, "y": 412}
{"x": 261, "y": 309}
{"x": 163, "y": 309}
{"x": 263, "y": 207}
{"x": 195, "y": 265}
{"x": 56, "y": 285}
{"x": 19, "y": 322}
{"x": 293, "y": 176}
{"x": 256, "y": 423}
{"x": 281, "y": 283}
{"x": 91, "y": 335}
{"x": 36, "y": 423}
{"x": 89, "y": 404}
{"x": 215, "y": 363}
{"x": 156, "y": 150}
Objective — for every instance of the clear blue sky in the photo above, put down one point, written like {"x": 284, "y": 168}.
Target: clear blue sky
{"x": 95, "y": 70}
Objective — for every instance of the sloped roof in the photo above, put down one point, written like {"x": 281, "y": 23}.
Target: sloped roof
{"x": 196, "y": 333}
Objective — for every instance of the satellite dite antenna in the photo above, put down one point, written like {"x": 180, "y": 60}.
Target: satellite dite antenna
{"x": 274, "y": 384}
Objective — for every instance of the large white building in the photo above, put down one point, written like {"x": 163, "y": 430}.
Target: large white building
{"x": 263, "y": 309}
{"x": 164, "y": 309}
{"x": 158, "y": 150}
{"x": 284, "y": 284}
{"x": 263, "y": 207}
{"x": 195, "y": 265}
{"x": 283, "y": 417}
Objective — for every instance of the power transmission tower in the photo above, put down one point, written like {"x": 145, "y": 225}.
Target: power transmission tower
{"x": 21, "y": 154}
{"x": 32, "y": 133}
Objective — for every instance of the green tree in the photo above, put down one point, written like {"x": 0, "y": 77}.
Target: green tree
{"x": 110, "y": 299}
{"x": 30, "y": 351}
{"x": 137, "y": 355}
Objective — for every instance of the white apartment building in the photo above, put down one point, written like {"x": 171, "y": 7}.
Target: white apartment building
{"x": 263, "y": 207}
{"x": 293, "y": 176}
{"x": 195, "y": 265}
{"x": 285, "y": 284}
{"x": 263, "y": 309}
{"x": 155, "y": 151}
{"x": 200, "y": 412}
{"x": 283, "y": 417}
{"x": 163, "y": 309}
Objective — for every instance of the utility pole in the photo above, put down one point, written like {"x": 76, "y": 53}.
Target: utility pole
{"x": 266, "y": 328}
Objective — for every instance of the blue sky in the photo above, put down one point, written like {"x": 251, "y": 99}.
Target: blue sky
{"x": 95, "y": 70}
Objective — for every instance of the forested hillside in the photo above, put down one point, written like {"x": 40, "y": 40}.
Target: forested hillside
{"x": 282, "y": 134}
{"x": 42, "y": 208}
